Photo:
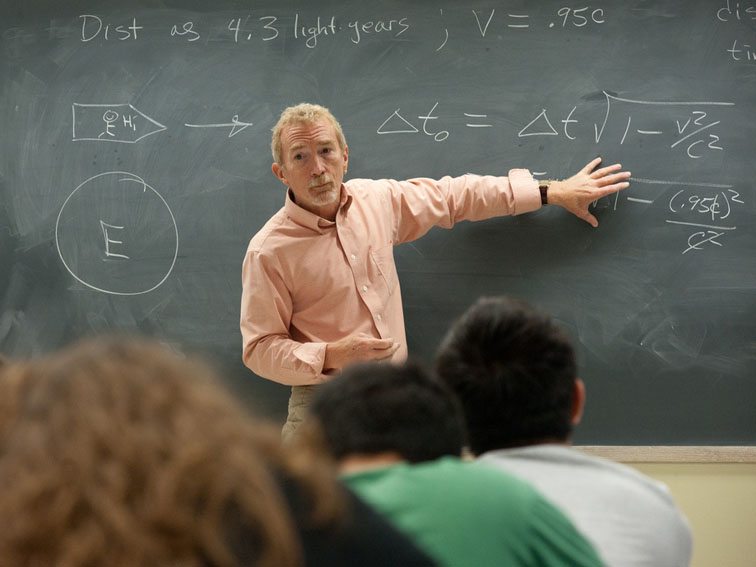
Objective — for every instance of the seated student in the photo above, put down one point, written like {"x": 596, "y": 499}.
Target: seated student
{"x": 397, "y": 435}
{"x": 515, "y": 374}
{"x": 119, "y": 453}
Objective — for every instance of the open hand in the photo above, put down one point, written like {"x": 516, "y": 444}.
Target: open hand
{"x": 586, "y": 186}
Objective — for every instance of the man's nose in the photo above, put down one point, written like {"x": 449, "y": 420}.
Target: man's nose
{"x": 318, "y": 166}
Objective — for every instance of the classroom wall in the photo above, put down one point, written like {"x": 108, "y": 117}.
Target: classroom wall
{"x": 720, "y": 503}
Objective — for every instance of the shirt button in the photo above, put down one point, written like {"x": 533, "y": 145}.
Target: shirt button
{"x": 364, "y": 288}
{"x": 354, "y": 257}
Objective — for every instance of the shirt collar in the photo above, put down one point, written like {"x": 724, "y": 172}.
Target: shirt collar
{"x": 312, "y": 221}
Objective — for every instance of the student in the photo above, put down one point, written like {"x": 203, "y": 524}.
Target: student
{"x": 320, "y": 289}
{"x": 397, "y": 435}
{"x": 515, "y": 373}
{"x": 119, "y": 453}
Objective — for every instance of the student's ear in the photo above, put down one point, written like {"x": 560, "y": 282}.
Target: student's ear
{"x": 578, "y": 401}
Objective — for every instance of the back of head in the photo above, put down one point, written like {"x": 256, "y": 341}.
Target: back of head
{"x": 302, "y": 113}
{"x": 381, "y": 408}
{"x": 118, "y": 452}
{"x": 514, "y": 372}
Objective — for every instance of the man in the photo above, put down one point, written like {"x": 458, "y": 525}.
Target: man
{"x": 515, "y": 374}
{"x": 397, "y": 435}
{"x": 320, "y": 288}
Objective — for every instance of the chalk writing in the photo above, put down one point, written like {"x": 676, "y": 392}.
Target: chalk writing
{"x": 92, "y": 26}
{"x": 108, "y": 241}
{"x": 311, "y": 33}
{"x": 740, "y": 11}
{"x": 483, "y": 27}
{"x": 539, "y": 126}
{"x": 312, "y": 30}
{"x": 717, "y": 206}
{"x": 474, "y": 125}
{"x": 580, "y": 17}
{"x": 742, "y": 52}
{"x": 270, "y": 30}
{"x": 520, "y": 21}
{"x": 187, "y": 29}
{"x": 396, "y": 120}
{"x": 396, "y": 27}
{"x": 707, "y": 208}
{"x": 116, "y": 234}
{"x": 692, "y": 132}
{"x": 118, "y": 123}
{"x": 446, "y": 34}
{"x": 599, "y": 131}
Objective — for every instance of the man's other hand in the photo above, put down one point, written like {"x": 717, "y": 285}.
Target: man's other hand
{"x": 357, "y": 349}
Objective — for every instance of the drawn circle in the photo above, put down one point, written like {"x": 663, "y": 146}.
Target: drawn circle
{"x": 110, "y": 116}
{"x": 116, "y": 234}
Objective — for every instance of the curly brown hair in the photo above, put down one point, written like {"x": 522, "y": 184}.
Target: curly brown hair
{"x": 118, "y": 452}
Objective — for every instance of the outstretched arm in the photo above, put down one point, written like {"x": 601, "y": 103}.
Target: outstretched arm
{"x": 586, "y": 186}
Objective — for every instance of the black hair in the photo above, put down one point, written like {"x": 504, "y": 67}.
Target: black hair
{"x": 377, "y": 407}
{"x": 513, "y": 371}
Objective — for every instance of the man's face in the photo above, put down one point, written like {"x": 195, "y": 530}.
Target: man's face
{"x": 313, "y": 166}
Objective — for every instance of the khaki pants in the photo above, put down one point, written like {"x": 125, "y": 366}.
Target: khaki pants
{"x": 299, "y": 401}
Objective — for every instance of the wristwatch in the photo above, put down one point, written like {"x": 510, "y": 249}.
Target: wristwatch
{"x": 543, "y": 187}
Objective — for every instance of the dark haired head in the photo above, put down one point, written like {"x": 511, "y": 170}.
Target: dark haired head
{"x": 378, "y": 408}
{"x": 514, "y": 372}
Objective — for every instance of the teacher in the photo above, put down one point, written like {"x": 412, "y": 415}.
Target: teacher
{"x": 319, "y": 284}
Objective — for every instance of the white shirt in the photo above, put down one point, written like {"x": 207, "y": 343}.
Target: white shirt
{"x": 630, "y": 518}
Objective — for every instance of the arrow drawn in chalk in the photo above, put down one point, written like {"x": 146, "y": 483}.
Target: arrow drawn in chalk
{"x": 235, "y": 126}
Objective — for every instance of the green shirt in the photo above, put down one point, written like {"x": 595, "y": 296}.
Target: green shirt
{"x": 466, "y": 514}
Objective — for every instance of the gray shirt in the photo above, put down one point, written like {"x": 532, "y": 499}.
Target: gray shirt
{"x": 630, "y": 518}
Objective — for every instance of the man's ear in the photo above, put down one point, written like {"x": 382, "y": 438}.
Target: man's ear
{"x": 346, "y": 158}
{"x": 278, "y": 171}
{"x": 578, "y": 401}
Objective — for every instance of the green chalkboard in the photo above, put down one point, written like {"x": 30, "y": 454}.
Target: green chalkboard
{"x": 135, "y": 166}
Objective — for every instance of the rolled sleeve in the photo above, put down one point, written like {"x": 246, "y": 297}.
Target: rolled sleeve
{"x": 524, "y": 187}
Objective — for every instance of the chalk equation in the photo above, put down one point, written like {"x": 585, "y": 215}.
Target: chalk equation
{"x": 117, "y": 235}
{"x": 710, "y": 206}
{"x": 689, "y": 127}
{"x": 126, "y": 124}
{"x": 703, "y": 210}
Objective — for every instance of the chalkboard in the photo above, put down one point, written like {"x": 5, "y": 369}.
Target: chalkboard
{"x": 135, "y": 166}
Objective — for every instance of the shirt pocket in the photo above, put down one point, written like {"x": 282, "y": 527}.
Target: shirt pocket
{"x": 383, "y": 258}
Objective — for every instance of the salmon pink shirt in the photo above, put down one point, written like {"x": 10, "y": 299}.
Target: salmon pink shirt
{"x": 308, "y": 281}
